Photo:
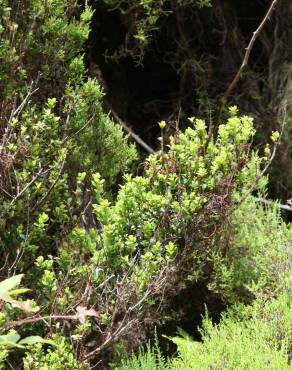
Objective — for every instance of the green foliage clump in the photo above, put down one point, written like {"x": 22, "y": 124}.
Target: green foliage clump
{"x": 55, "y": 136}
{"x": 163, "y": 231}
{"x": 38, "y": 41}
{"x": 102, "y": 266}
{"x": 9, "y": 290}
{"x": 58, "y": 357}
{"x": 256, "y": 263}
{"x": 261, "y": 336}
{"x": 148, "y": 358}
{"x": 185, "y": 189}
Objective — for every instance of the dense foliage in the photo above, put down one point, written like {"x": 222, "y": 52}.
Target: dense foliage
{"x": 105, "y": 244}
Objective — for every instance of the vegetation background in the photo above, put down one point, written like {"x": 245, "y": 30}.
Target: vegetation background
{"x": 145, "y": 177}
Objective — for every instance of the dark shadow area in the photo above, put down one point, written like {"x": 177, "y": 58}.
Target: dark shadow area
{"x": 189, "y": 64}
{"x": 190, "y": 306}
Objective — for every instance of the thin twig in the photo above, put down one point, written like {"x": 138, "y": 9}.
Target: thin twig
{"x": 29, "y": 184}
{"x": 30, "y": 92}
{"x": 265, "y": 169}
{"x": 131, "y": 133}
{"x": 44, "y": 198}
{"x": 246, "y": 56}
{"x": 26, "y": 99}
{"x": 124, "y": 324}
{"x": 270, "y": 202}
{"x": 121, "y": 328}
{"x": 13, "y": 324}
{"x": 69, "y": 137}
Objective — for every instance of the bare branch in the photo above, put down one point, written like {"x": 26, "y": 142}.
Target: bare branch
{"x": 247, "y": 55}
{"x": 31, "y": 91}
{"x": 121, "y": 328}
{"x": 126, "y": 321}
{"x": 29, "y": 184}
{"x": 44, "y": 198}
{"x": 131, "y": 133}
{"x": 31, "y": 320}
{"x": 270, "y": 202}
{"x": 265, "y": 169}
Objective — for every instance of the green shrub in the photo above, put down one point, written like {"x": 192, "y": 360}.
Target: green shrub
{"x": 58, "y": 357}
{"x": 164, "y": 232}
{"x": 56, "y": 136}
{"x": 260, "y": 338}
{"x": 148, "y": 358}
{"x": 178, "y": 209}
{"x": 256, "y": 262}
{"x": 39, "y": 43}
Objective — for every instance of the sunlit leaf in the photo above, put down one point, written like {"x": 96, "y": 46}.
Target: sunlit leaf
{"x": 19, "y": 291}
{"x": 10, "y": 340}
{"x": 33, "y": 339}
{"x": 9, "y": 284}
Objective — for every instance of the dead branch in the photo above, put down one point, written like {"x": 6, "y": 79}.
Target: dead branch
{"x": 286, "y": 207}
{"x": 31, "y": 320}
{"x": 121, "y": 328}
{"x": 28, "y": 185}
{"x": 31, "y": 90}
{"x": 246, "y": 56}
{"x": 44, "y": 198}
{"x": 127, "y": 321}
{"x": 131, "y": 133}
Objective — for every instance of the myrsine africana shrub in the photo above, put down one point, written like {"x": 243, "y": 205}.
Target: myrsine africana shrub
{"x": 166, "y": 230}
